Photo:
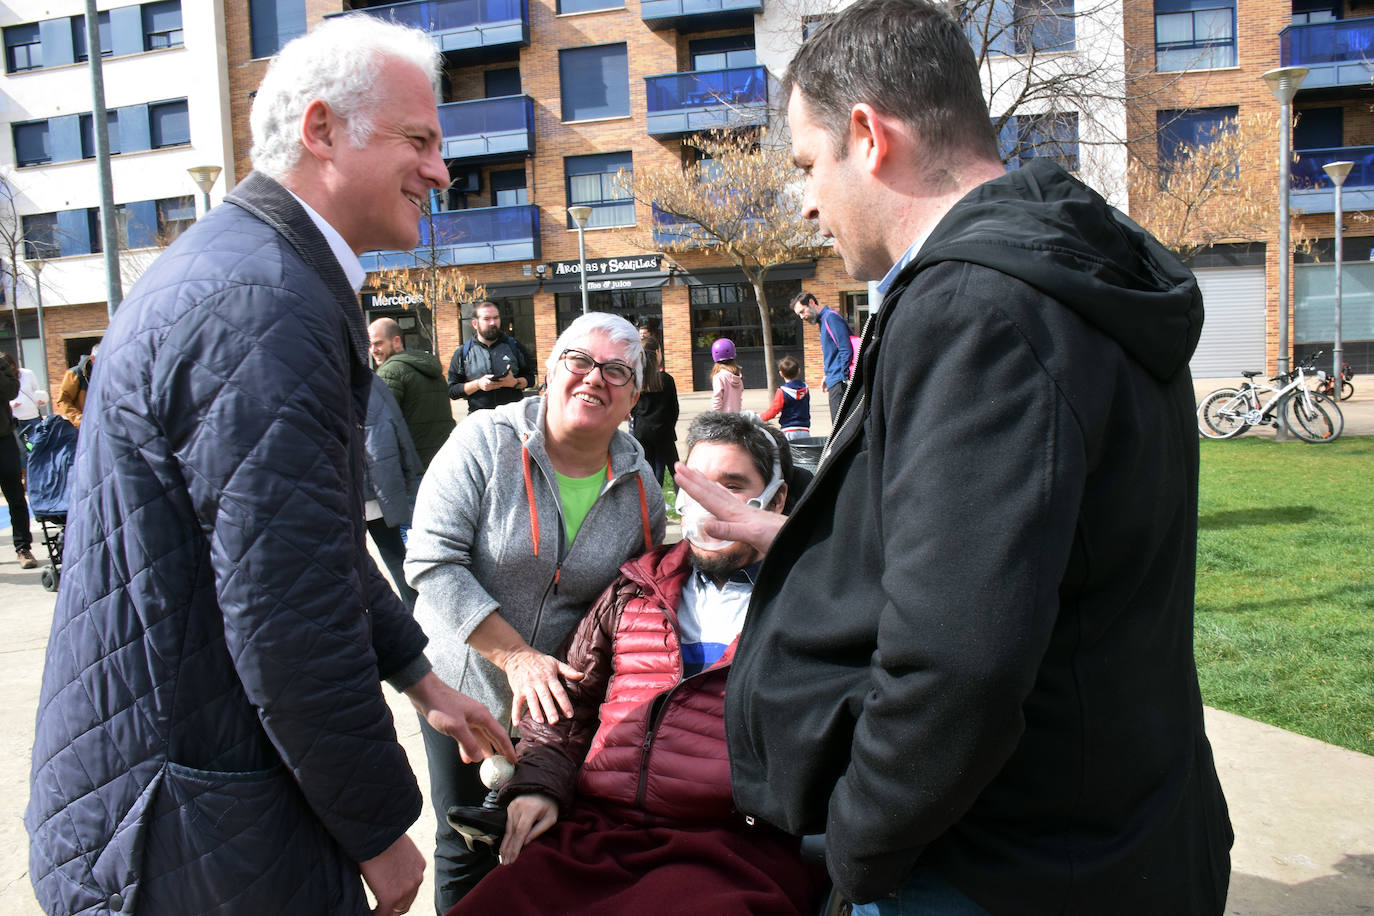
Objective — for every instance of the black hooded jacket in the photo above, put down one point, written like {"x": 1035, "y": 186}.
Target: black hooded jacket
{"x": 970, "y": 647}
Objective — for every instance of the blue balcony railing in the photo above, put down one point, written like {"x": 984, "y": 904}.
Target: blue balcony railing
{"x": 484, "y": 235}
{"x": 1312, "y": 191}
{"x": 669, "y": 229}
{"x": 684, "y": 103}
{"x": 696, "y": 15}
{"x": 488, "y": 128}
{"x": 462, "y": 25}
{"x": 1334, "y": 53}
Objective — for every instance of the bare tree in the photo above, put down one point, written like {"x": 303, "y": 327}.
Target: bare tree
{"x": 1211, "y": 191}
{"x": 738, "y": 199}
{"x": 11, "y": 252}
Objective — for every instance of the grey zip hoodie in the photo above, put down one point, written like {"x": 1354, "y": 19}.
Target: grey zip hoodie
{"x": 471, "y": 550}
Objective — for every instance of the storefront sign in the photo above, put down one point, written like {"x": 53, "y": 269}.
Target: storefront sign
{"x": 392, "y": 300}
{"x": 607, "y": 266}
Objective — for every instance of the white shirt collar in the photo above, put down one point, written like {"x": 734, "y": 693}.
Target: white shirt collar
{"x": 352, "y": 267}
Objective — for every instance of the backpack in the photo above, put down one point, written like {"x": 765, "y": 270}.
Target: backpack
{"x": 853, "y": 347}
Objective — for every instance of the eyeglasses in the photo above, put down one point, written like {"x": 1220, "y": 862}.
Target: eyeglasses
{"x": 614, "y": 372}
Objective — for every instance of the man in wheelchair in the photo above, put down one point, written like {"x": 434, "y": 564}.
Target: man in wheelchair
{"x": 625, "y": 806}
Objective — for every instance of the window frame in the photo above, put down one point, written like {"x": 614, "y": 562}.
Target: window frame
{"x": 609, "y": 200}
{"x": 584, "y": 53}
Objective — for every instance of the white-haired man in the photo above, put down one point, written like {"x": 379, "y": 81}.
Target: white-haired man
{"x": 212, "y": 735}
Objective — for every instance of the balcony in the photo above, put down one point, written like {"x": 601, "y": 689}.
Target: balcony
{"x": 685, "y": 103}
{"x": 1335, "y": 53}
{"x": 1312, "y": 192}
{"x": 492, "y": 129}
{"x": 698, "y": 15}
{"x": 463, "y": 25}
{"x": 486, "y": 235}
{"x": 669, "y": 229}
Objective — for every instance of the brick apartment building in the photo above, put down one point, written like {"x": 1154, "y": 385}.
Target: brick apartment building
{"x": 1209, "y": 56}
{"x": 542, "y": 103}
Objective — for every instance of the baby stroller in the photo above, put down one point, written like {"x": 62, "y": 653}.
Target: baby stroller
{"x": 52, "y": 448}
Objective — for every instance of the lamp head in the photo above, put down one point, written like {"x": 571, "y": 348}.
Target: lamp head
{"x": 204, "y": 176}
{"x": 1337, "y": 171}
{"x": 1284, "y": 82}
{"x": 580, "y": 215}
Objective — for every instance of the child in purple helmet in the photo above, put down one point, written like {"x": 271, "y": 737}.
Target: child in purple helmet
{"x": 727, "y": 384}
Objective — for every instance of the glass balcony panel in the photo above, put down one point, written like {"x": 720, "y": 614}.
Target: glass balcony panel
{"x": 1327, "y": 42}
{"x": 488, "y": 127}
{"x": 680, "y": 13}
{"x": 484, "y": 235}
{"x": 461, "y": 24}
{"x": 1306, "y": 173}
{"x": 680, "y": 103}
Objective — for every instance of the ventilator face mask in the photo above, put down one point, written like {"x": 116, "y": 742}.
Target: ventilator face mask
{"x": 694, "y": 515}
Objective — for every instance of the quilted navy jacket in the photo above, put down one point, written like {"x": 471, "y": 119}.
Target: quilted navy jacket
{"x": 212, "y": 736}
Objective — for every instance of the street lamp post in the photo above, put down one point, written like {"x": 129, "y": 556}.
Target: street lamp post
{"x": 1284, "y": 83}
{"x": 580, "y": 215}
{"x": 1337, "y": 172}
{"x": 36, "y": 264}
{"x": 204, "y": 176}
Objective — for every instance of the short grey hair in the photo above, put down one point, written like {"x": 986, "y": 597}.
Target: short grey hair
{"x": 337, "y": 63}
{"x": 614, "y": 328}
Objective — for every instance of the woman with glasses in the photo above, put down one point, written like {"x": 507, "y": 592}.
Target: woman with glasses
{"x": 523, "y": 518}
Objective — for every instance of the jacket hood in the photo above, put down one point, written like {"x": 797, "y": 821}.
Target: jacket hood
{"x": 422, "y": 362}
{"x": 1049, "y": 230}
{"x": 526, "y": 418}
{"x": 730, "y": 380}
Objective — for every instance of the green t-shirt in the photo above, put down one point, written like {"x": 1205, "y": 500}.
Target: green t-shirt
{"x": 577, "y": 495}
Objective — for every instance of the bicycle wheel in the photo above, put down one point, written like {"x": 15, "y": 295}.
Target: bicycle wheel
{"x": 1222, "y": 414}
{"x": 1347, "y": 389}
{"x": 1322, "y": 421}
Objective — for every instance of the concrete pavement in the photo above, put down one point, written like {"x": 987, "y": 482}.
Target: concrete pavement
{"x": 1303, "y": 811}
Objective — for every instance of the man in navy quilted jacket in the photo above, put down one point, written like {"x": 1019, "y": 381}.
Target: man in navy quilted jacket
{"x": 212, "y": 735}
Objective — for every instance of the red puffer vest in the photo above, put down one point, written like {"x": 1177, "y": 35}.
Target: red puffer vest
{"x": 660, "y": 749}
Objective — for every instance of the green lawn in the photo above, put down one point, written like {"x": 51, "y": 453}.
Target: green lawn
{"x": 1285, "y": 585}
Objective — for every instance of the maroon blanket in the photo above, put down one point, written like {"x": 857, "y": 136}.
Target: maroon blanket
{"x": 589, "y": 863}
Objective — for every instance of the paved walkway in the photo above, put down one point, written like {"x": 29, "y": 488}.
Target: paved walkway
{"x": 1303, "y": 810}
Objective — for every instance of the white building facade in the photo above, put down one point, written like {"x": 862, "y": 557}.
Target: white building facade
{"x": 166, "y": 96}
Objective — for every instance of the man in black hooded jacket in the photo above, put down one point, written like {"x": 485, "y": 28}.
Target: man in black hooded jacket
{"x": 969, "y": 655}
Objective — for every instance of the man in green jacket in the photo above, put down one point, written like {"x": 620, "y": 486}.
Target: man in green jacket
{"x": 417, "y": 380}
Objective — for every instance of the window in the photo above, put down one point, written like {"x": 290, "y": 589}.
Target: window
{"x": 1043, "y": 25}
{"x": 174, "y": 216}
{"x": 499, "y": 83}
{"x": 1194, "y": 34}
{"x": 811, "y": 23}
{"x": 23, "y": 47}
{"x": 1020, "y": 26}
{"x": 169, "y": 124}
{"x": 1043, "y": 136}
{"x": 508, "y": 188}
{"x": 723, "y": 53}
{"x": 593, "y": 182}
{"x": 855, "y": 309}
{"x": 31, "y": 143}
{"x": 1319, "y": 128}
{"x": 272, "y": 23}
{"x": 1188, "y": 128}
{"x": 162, "y": 25}
{"x": 40, "y": 235}
{"x": 102, "y": 25}
{"x": 1306, "y": 12}
{"x": 88, "y": 133}
{"x": 595, "y": 82}
{"x": 587, "y": 6}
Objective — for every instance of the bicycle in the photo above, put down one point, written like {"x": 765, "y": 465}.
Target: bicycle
{"x": 1307, "y": 414}
{"x": 1328, "y": 385}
